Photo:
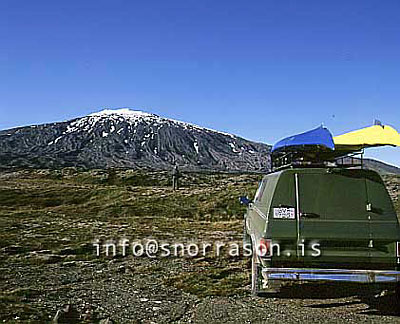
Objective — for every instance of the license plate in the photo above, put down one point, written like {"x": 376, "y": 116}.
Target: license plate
{"x": 284, "y": 213}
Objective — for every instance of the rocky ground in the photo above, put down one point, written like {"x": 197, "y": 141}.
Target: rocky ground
{"x": 50, "y": 270}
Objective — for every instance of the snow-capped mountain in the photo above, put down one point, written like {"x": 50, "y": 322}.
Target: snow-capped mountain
{"x": 129, "y": 139}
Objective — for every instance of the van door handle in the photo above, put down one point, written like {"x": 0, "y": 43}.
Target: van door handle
{"x": 309, "y": 215}
{"x": 374, "y": 209}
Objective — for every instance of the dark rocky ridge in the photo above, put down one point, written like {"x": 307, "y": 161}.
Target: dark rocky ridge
{"x": 129, "y": 139}
{"x": 381, "y": 167}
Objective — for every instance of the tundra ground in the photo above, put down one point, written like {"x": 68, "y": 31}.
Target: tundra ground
{"x": 50, "y": 219}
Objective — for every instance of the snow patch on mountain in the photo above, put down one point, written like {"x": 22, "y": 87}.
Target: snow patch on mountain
{"x": 134, "y": 116}
{"x": 196, "y": 147}
{"x": 125, "y": 112}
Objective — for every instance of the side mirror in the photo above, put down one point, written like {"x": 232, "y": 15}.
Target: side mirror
{"x": 245, "y": 200}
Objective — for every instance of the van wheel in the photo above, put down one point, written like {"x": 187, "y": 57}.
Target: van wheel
{"x": 255, "y": 276}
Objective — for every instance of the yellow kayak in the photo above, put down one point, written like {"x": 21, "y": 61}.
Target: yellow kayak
{"x": 377, "y": 135}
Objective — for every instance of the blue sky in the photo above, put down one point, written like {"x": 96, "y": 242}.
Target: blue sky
{"x": 259, "y": 69}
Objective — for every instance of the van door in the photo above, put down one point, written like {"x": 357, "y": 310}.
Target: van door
{"x": 282, "y": 224}
{"x": 332, "y": 218}
{"x": 384, "y": 226}
{"x": 256, "y": 218}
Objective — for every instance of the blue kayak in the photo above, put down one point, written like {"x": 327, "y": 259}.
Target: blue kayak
{"x": 316, "y": 139}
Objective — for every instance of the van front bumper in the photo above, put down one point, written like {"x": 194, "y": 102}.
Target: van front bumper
{"x": 345, "y": 275}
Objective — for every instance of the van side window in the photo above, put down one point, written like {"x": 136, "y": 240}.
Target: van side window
{"x": 260, "y": 190}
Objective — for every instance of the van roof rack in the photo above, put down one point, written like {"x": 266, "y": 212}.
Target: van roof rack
{"x": 286, "y": 160}
{"x": 318, "y": 148}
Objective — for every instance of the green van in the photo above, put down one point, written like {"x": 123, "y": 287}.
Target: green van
{"x": 322, "y": 224}
{"x": 317, "y": 217}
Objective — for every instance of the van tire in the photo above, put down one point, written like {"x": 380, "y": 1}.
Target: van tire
{"x": 255, "y": 275}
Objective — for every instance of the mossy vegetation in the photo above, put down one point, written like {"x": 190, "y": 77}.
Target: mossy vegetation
{"x": 52, "y": 209}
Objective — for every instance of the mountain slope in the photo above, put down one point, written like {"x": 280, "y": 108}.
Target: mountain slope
{"x": 130, "y": 139}
{"x": 381, "y": 167}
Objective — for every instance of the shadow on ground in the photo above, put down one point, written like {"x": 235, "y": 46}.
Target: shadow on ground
{"x": 381, "y": 301}
{"x": 323, "y": 291}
